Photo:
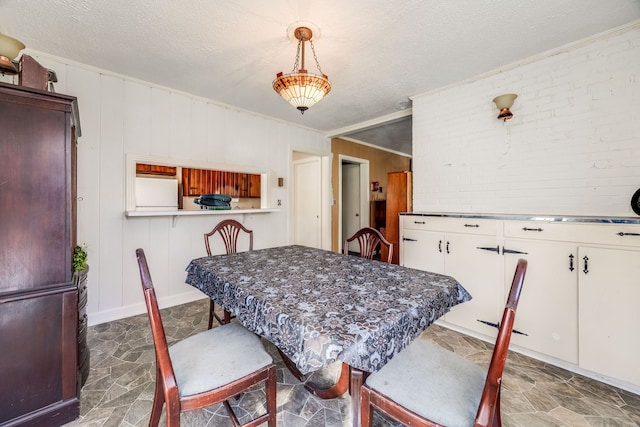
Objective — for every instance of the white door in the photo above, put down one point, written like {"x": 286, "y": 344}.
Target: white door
{"x": 351, "y": 215}
{"x": 307, "y": 175}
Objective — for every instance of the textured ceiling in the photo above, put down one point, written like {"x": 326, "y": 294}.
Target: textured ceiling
{"x": 377, "y": 53}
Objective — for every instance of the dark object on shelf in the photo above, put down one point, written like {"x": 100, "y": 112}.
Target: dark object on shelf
{"x": 635, "y": 202}
{"x": 213, "y": 201}
{"x": 32, "y": 74}
{"x": 378, "y": 215}
{"x": 38, "y": 298}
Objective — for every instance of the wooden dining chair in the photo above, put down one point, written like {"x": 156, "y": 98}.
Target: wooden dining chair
{"x": 426, "y": 385}
{"x": 368, "y": 240}
{"x": 192, "y": 374}
{"x": 229, "y": 230}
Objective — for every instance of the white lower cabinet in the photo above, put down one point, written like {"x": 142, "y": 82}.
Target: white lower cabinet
{"x": 475, "y": 269}
{"x": 468, "y": 257}
{"x": 581, "y": 290}
{"x": 547, "y": 315}
{"x": 609, "y": 318}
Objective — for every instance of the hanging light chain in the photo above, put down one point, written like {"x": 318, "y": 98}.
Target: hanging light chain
{"x": 296, "y": 64}
{"x": 313, "y": 50}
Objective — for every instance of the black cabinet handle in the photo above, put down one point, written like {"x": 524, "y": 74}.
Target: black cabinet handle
{"x": 571, "y": 262}
{"x": 440, "y": 246}
{"x": 486, "y": 248}
{"x": 472, "y": 225}
{"x": 407, "y": 239}
{"x": 511, "y": 251}
{"x": 586, "y": 264}
{"x": 532, "y": 229}
{"x": 419, "y": 222}
{"x": 497, "y": 326}
{"x": 627, "y": 234}
{"x": 447, "y": 246}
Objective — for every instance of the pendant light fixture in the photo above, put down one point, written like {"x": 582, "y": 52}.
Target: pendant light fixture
{"x": 299, "y": 88}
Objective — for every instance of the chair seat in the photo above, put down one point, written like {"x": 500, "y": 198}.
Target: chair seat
{"x": 432, "y": 382}
{"x": 200, "y": 366}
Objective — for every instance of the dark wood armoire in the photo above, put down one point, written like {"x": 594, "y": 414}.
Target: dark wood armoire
{"x": 38, "y": 299}
{"x": 399, "y": 199}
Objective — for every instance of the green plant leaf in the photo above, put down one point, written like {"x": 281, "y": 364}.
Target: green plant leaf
{"x": 79, "y": 258}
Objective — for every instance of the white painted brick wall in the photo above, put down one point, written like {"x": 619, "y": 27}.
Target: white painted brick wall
{"x": 572, "y": 148}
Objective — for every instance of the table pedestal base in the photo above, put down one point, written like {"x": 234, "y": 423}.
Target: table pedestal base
{"x": 351, "y": 379}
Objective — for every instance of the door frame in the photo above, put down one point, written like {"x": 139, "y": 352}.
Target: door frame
{"x": 364, "y": 193}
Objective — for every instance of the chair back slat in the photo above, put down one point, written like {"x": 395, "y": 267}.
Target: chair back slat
{"x": 489, "y": 407}
{"x": 368, "y": 240}
{"x": 229, "y": 231}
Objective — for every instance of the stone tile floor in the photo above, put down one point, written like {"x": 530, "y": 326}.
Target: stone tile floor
{"x": 119, "y": 390}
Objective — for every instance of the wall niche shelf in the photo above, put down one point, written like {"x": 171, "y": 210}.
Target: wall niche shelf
{"x": 181, "y": 212}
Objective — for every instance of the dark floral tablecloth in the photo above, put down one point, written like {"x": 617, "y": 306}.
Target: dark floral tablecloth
{"x": 319, "y": 307}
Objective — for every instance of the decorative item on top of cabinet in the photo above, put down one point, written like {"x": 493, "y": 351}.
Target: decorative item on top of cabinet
{"x": 38, "y": 300}
{"x": 399, "y": 199}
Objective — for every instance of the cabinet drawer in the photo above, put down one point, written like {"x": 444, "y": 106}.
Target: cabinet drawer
{"x": 593, "y": 233}
{"x": 487, "y": 227}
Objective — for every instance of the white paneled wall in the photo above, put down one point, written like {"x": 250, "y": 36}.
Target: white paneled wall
{"x": 572, "y": 148}
{"x": 120, "y": 115}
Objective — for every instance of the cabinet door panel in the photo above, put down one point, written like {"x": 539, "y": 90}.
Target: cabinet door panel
{"x": 548, "y": 307}
{"x": 423, "y": 250}
{"x": 476, "y": 270}
{"x": 609, "y": 317}
{"x": 34, "y": 199}
{"x": 254, "y": 185}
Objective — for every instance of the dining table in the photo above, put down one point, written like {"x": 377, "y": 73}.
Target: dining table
{"x": 320, "y": 307}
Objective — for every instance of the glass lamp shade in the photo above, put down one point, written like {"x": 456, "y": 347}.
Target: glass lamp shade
{"x": 504, "y": 102}
{"x": 9, "y": 49}
{"x": 302, "y": 90}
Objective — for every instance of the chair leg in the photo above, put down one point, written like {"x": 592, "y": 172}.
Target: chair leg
{"x": 270, "y": 390}
{"x": 366, "y": 416}
{"x": 227, "y": 317}
{"x": 158, "y": 401}
{"x": 212, "y": 307}
{"x": 173, "y": 418}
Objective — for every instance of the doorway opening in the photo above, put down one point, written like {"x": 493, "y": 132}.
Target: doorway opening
{"x": 353, "y": 185}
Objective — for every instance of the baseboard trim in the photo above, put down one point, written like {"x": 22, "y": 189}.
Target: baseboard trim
{"x": 140, "y": 308}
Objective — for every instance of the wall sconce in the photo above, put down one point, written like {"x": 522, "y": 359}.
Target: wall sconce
{"x": 504, "y": 102}
{"x": 9, "y": 49}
